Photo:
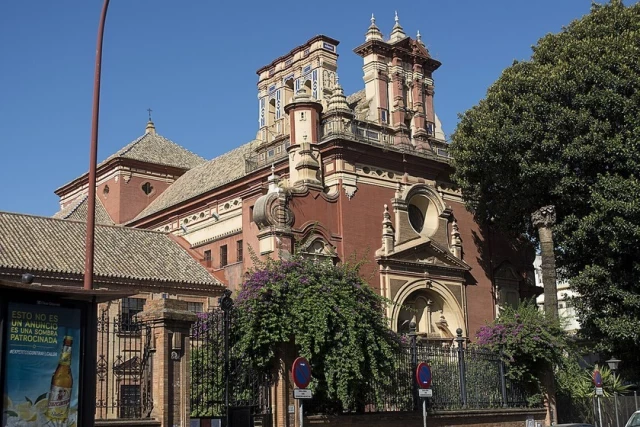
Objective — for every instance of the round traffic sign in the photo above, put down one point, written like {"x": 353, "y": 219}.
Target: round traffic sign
{"x": 597, "y": 378}
{"x": 423, "y": 375}
{"x": 301, "y": 372}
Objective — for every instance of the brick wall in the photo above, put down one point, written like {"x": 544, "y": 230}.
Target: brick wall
{"x": 470, "y": 418}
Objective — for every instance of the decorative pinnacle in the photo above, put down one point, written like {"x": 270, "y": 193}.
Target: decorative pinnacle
{"x": 397, "y": 19}
{"x": 374, "y": 32}
{"x": 419, "y": 37}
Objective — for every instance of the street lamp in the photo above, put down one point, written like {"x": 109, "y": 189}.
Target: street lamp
{"x": 613, "y": 364}
{"x": 93, "y": 158}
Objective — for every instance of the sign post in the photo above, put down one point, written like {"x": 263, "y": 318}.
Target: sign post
{"x": 301, "y": 373}
{"x": 597, "y": 382}
{"x": 423, "y": 378}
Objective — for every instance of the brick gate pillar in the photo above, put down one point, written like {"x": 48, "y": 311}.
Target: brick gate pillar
{"x": 282, "y": 390}
{"x": 171, "y": 325}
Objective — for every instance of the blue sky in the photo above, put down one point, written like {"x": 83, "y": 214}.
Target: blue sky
{"x": 194, "y": 61}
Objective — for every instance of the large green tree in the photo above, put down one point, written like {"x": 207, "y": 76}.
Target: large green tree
{"x": 563, "y": 129}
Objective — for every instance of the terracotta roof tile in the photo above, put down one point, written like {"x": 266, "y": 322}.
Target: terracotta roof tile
{"x": 208, "y": 176}
{"x": 154, "y": 148}
{"x": 53, "y": 245}
{"x": 78, "y": 211}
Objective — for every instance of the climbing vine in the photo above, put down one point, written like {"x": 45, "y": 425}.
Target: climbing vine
{"x": 329, "y": 315}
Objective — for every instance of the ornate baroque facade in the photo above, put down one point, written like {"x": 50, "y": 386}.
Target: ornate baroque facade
{"x": 328, "y": 175}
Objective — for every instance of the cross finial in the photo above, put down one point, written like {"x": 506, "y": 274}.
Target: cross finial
{"x": 149, "y": 110}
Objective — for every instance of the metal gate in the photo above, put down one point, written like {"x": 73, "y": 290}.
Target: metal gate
{"x": 123, "y": 387}
{"x": 223, "y": 384}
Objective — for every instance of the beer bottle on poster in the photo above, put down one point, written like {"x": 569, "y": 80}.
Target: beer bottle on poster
{"x": 61, "y": 385}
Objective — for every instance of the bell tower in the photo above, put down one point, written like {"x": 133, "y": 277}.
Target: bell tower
{"x": 310, "y": 68}
{"x": 399, "y": 84}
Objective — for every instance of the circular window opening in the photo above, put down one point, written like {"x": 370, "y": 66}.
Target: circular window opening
{"x": 105, "y": 190}
{"x": 423, "y": 215}
{"x": 366, "y": 170}
{"x": 147, "y": 188}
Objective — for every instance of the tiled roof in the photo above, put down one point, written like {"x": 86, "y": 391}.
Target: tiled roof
{"x": 78, "y": 211}
{"x": 154, "y": 148}
{"x": 217, "y": 172}
{"x": 208, "y": 176}
{"x": 41, "y": 244}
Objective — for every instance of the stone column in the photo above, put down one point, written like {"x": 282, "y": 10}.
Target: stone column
{"x": 544, "y": 219}
{"x": 171, "y": 326}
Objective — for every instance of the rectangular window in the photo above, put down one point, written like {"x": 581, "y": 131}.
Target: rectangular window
{"x": 195, "y": 307}
{"x": 130, "y": 401}
{"x": 129, "y": 308}
{"x": 384, "y": 116}
{"x": 207, "y": 258}
{"x": 239, "y": 248}
{"x": 223, "y": 255}
{"x": 251, "y": 214}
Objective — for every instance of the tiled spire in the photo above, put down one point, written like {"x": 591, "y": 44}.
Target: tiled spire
{"x": 338, "y": 100}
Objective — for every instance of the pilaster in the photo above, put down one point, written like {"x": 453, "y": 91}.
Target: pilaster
{"x": 171, "y": 325}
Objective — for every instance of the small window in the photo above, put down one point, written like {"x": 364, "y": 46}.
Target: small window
{"x": 239, "y": 249}
{"x": 223, "y": 255}
{"x": 251, "y": 214}
{"x": 303, "y": 116}
{"x": 207, "y": 255}
{"x": 270, "y": 153}
{"x": 195, "y": 307}
{"x": 384, "y": 116}
{"x": 129, "y": 308}
{"x": 105, "y": 190}
{"x": 147, "y": 188}
{"x": 130, "y": 401}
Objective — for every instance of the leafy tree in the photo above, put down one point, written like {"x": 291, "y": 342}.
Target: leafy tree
{"x": 330, "y": 314}
{"x": 563, "y": 129}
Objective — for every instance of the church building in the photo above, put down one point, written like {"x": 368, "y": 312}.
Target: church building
{"x": 328, "y": 175}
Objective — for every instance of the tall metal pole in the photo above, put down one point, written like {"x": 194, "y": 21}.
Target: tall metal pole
{"x": 226, "y": 304}
{"x": 461, "y": 367}
{"x": 414, "y": 362}
{"x": 93, "y": 157}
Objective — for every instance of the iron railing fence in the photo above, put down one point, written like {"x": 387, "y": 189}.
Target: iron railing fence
{"x": 210, "y": 376}
{"x": 462, "y": 378}
{"x": 123, "y": 386}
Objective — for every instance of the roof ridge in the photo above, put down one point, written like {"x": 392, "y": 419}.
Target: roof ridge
{"x": 149, "y": 210}
{"x": 79, "y": 202}
{"x": 77, "y": 221}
